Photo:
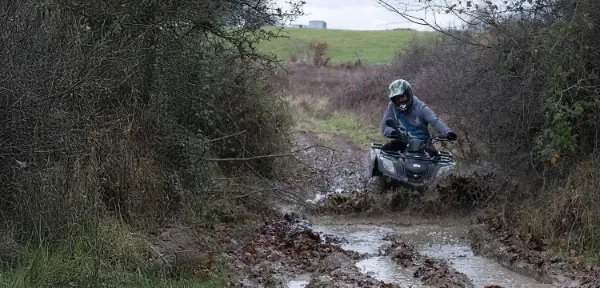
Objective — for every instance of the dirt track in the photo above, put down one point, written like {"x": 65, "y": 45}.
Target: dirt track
{"x": 341, "y": 192}
{"x": 347, "y": 205}
{"x": 357, "y": 240}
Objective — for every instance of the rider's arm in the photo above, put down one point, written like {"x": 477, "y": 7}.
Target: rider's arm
{"x": 389, "y": 114}
{"x": 437, "y": 123}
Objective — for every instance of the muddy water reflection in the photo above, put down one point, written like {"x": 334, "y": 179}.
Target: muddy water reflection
{"x": 384, "y": 269}
{"x": 297, "y": 283}
{"x": 449, "y": 243}
{"x": 360, "y": 238}
{"x": 433, "y": 241}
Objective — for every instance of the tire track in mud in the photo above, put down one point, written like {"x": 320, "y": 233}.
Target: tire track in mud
{"x": 431, "y": 271}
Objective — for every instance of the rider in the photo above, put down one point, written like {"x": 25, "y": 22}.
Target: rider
{"x": 413, "y": 114}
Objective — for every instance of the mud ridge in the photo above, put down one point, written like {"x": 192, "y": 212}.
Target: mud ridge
{"x": 337, "y": 270}
{"x": 434, "y": 272}
{"x": 529, "y": 256}
{"x": 282, "y": 248}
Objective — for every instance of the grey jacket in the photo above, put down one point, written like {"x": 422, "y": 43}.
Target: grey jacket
{"x": 415, "y": 120}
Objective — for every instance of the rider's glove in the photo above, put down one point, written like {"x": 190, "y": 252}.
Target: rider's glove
{"x": 398, "y": 134}
{"x": 394, "y": 133}
{"x": 451, "y": 136}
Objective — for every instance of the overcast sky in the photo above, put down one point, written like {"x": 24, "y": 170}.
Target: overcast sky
{"x": 363, "y": 15}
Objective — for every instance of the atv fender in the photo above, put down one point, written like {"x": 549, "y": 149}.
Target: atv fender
{"x": 372, "y": 167}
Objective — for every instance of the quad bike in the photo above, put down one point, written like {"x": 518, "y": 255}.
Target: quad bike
{"x": 413, "y": 168}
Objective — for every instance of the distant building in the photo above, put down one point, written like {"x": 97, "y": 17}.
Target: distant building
{"x": 317, "y": 24}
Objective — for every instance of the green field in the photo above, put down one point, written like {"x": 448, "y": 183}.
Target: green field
{"x": 373, "y": 46}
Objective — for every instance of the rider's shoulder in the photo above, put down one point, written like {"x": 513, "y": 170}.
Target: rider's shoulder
{"x": 418, "y": 102}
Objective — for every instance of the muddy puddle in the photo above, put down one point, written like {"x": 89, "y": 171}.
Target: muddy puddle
{"x": 299, "y": 282}
{"x": 448, "y": 243}
{"x": 384, "y": 269}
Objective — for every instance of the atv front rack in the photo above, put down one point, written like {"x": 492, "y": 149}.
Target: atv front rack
{"x": 442, "y": 156}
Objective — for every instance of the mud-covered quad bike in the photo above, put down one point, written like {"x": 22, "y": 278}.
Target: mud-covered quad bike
{"x": 414, "y": 168}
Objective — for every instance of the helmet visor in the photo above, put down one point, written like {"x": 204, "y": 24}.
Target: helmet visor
{"x": 401, "y": 100}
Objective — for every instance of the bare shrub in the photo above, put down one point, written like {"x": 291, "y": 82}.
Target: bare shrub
{"x": 368, "y": 94}
{"x": 124, "y": 109}
{"x": 312, "y": 53}
{"x": 318, "y": 49}
{"x": 524, "y": 88}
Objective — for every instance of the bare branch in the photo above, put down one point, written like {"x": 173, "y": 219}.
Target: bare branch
{"x": 224, "y": 137}
{"x": 263, "y": 156}
{"x": 423, "y": 22}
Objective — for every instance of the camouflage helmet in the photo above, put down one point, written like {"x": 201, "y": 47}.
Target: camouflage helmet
{"x": 399, "y": 87}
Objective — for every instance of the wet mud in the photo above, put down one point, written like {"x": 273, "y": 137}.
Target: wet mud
{"x": 287, "y": 252}
{"x": 530, "y": 256}
{"x": 423, "y": 256}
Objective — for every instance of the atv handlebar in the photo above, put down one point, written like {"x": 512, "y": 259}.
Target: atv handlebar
{"x": 394, "y": 124}
{"x": 441, "y": 138}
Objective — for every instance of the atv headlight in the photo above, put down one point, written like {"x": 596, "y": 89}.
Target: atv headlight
{"x": 388, "y": 165}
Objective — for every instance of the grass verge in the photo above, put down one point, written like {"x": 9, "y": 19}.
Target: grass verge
{"x": 22, "y": 277}
{"x": 109, "y": 256}
{"x": 315, "y": 116}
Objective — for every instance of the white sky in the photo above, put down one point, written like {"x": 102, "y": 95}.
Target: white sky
{"x": 364, "y": 15}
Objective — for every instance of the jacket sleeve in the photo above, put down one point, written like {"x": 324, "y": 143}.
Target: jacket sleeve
{"x": 389, "y": 114}
{"x": 437, "y": 123}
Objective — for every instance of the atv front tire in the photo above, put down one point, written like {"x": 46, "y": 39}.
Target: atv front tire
{"x": 377, "y": 185}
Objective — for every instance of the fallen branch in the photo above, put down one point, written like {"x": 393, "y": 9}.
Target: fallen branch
{"x": 264, "y": 156}
{"x": 160, "y": 255}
